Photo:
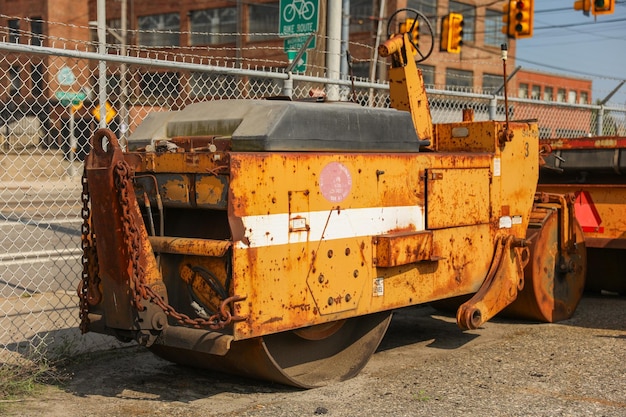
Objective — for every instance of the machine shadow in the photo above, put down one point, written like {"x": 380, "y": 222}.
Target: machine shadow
{"x": 134, "y": 373}
{"x": 166, "y": 382}
{"x": 424, "y": 324}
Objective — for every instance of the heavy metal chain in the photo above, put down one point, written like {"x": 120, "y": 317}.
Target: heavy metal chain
{"x": 142, "y": 291}
{"x": 89, "y": 276}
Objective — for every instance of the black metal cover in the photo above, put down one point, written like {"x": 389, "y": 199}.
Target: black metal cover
{"x": 276, "y": 125}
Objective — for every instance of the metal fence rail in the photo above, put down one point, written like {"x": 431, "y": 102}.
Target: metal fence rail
{"x": 44, "y": 134}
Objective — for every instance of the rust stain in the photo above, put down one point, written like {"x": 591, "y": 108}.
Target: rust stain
{"x": 273, "y": 320}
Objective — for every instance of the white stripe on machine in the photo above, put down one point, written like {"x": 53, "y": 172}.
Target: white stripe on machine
{"x": 278, "y": 229}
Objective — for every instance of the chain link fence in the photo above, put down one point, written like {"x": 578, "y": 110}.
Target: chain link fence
{"x": 44, "y": 137}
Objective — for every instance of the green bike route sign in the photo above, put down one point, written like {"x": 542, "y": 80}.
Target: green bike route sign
{"x": 298, "y": 17}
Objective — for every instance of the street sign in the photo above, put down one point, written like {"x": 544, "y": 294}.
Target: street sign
{"x": 296, "y": 42}
{"x": 301, "y": 64}
{"x": 70, "y": 97}
{"x": 298, "y": 17}
{"x": 66, "y": 76}
{"x": 109, "y": 115}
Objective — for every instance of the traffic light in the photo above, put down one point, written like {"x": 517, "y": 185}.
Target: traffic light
{"x": 451, "y": 33}
{"x": 603, "y": 7}
{"x": 584, "y": 5}
{"x": 595, "y": 6}
{"x": 518, "y": 17}
{"x": 411, "y": 25}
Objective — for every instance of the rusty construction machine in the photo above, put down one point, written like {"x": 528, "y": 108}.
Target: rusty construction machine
{"x": 273, "y": 238}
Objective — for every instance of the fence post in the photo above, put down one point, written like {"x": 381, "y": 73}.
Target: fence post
{"x": 287, "y": 86}
{"x": 493, "y": 107}
{"x": 102, "y": 65}
{"x": 600, "y": 121}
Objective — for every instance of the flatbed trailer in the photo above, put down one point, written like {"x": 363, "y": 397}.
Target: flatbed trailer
{"x": 594, "y": 170}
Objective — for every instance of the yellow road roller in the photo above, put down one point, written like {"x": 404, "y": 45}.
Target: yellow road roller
{"x": 273, "y": 238}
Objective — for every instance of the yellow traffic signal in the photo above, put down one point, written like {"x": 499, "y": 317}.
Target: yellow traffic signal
{"x": 518, "y": 16}
{"x": 595, "y": 6}
{"x": 451, "y": 33}
{"x": 445, "y": 33}
{"x": 603, "y": 7}
{"x": 584, "y": 5}
{"x": 456, "y": 33}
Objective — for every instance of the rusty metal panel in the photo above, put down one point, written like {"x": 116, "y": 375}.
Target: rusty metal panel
{"x": 467, "y": 137}
{"x": 337, "y": 276}
{"x": 261, "y": 183}
{"x": 175, "y": 189}
{"x": 179, "y": 162}
{"x": 403, "y": 248}
{"x": 457, "y": 197}
{"x": 211, "y": 191}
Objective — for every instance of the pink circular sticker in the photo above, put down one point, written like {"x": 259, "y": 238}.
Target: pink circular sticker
{"x": 335, "y": 182}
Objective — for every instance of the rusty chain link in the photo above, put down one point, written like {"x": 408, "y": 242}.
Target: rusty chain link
{"x": 142, "y": 291}
{"x": 88, "y": 290}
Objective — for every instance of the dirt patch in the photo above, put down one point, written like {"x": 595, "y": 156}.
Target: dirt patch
{"x": 425, "y": 366}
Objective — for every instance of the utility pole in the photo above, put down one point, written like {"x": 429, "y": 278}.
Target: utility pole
{"x": 102, "y": 69}
{"x": 333, "y": 47}
{"x": 123, "y": 82}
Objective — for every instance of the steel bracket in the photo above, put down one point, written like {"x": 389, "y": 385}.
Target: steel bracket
{"x": 504, "y": 279}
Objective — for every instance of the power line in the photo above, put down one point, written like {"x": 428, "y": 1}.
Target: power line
{"x": 588, "y": 74}
{"x": 568, "y": 25}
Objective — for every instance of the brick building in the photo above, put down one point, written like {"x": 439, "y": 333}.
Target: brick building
{"x": 246, "y": 32}
{"x": 547, "y": 89}
{"x": 59, "y": 23}
{"x": 477, "y": 67}
{"x": 539, "y": 85}
{"x": 190, "y": 26}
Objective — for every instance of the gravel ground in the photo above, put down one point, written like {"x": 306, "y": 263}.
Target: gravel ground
{"x": 425, "y": 366}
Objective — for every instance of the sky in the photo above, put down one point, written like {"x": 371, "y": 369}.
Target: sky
{"x": 566, "y": 41}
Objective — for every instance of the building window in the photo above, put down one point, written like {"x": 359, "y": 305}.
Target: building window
{"x": 159, "y": 84}
{"x": 113, "y": 26}
{"x": 15, "y": 82}
{"x": 535, "y": 93}
{"x": 360, "y": 16}
{"x": 560, "y": 95}
{"x": 213, "y": 26}
{"x": 36, "y": 30}
{"x": 263, "y": 21}
{"x": 548, "y": 94}
{"x": 522, "y": 90}
{"x": 36, "y": 78}
{"x": 493, "y": 28}
{"x": 361, "y": 70}
{"x": 469, "y": 18}
{"x": 14, "y": 31}
{"x": 428, "y": 9}
{"x": 492, "y": 82}
{"x": 459, "y": 80}
{"x": 159, "y": 30}
{"x": 583, "y": 98}
{"x": 571, "y": 96}
{"x": 428, "y": 73}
